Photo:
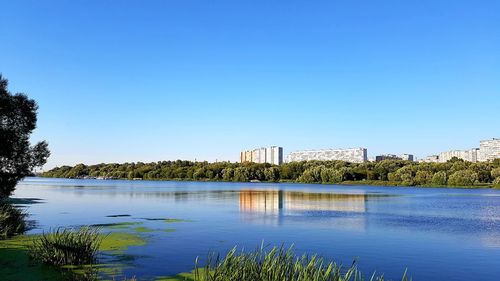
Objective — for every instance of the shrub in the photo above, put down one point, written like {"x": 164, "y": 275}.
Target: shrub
{"x": 67, "y": 247}
{"x": 393, "y": 176}
{"x": 496, "y": 182}
{"x": 330, "y": 175}
{"x": 311, "y": 175}
{"x": 276, "y": 265}
{"x": 423, "y": 177}
{"x": 439, "y": 178}
{"x": 462, "y": 178}
{"x": 272, "y": 174}
{"x": 12, "y": 220}
{"x": 495, "y": 173}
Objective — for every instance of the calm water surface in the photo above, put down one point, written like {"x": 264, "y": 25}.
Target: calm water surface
{"x": 438, "y": 234}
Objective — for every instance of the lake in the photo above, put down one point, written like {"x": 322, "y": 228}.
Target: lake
{"x": 437, "y": 233}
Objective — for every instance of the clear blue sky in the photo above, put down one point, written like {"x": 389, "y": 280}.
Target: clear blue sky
{"x": 138, "y": 80}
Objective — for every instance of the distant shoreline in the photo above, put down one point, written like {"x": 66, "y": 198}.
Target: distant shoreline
{"x": 454, "y": 173}
{"x": 345, "y": 183}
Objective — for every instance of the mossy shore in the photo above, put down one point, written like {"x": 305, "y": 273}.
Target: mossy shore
{"x": 16, "y": 265}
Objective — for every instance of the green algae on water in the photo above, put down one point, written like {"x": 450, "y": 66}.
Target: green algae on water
{"x": 166, "y": 219}
{"x": 143, "y": 229}
{"x": 117, "y": 225}
{"x": 179, "y": 277}
{"x": 15, "y": 263}
{"x": 120, "y": 241}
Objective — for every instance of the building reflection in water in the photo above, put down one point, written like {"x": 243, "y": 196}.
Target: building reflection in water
{"x": 272, "y": 201}
{"x": 336, "y": 210}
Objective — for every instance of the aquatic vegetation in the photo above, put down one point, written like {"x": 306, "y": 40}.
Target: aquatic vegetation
{"x": 117, "y": 225}
{"x": 17, "y": 261}
{"x": 16, "y": 264}
{"x": 143, "y": 229}
{"x": 12, "y": 220}
{"x": 176, "y": 220}
{"x": 153, "y": 219}
{"x": 119, "y": 241}
{"x": 67, "y": 246}
{"x": 274, "y": 265}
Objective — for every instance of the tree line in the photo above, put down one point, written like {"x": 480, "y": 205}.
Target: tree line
{"x": 455, "y": 172}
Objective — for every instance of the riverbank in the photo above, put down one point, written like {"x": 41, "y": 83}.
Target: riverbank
{"x": 454, "y": 173}
{"x": 377, "y": 183}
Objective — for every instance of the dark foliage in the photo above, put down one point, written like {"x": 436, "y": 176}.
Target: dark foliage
{"x": 12, "y": 220}
{"x": 18, "y": 116}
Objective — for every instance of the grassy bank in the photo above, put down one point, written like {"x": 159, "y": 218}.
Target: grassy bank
{"x": 64, "y": 255}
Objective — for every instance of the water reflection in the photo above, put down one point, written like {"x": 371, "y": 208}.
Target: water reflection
{"x": 274, "y": 207}
{"x": 271, "y": 201}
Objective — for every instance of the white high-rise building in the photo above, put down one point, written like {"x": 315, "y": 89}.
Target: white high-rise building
{"x": 353, "y": 155}
{"x": 489, "y": 150}
{"x": 467, "y": 155}
{"x": 271, "y": 155}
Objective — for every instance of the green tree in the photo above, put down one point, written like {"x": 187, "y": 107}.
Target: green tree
{"x": 18, "y": 116}
{"x": 496, "y": 182}
{"x": 439, "y": 178}
{"x": 495, "y": 173}
{"x": 199, "y": 173}
{"x": 227, "y": 174}
{"x": 311, "y": 175}
{"x": 423, "y": 177}
{"x": 272, "y": 174}
{"x": 463, "y": 178}
{"x": 241, "y": 174}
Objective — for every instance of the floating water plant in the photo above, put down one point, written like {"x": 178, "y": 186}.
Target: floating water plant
{"x": 175, "y": 220}
{"x": 143, "y": 229}
{"x": 119, "y": 241}
{"x": 117, "y": 225}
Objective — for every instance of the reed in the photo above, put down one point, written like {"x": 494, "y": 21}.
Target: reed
{"x": 63, "y": 247}
{"x": 276, "y": 265}
{"x": 12, "y": 220}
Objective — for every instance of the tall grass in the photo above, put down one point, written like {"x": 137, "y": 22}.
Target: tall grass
{"x": 12, "y": 220}
{"x": 67, "y": 247}
{"x": 278, "y": 264}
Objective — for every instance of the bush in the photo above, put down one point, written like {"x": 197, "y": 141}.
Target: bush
{"x": 311, "y": 175}
{"x": 495, "y": 173}
{"x": 462, "y": 178}
{"x": 439, "y": 178}
{"x": 276, "y": 265}
{"x": 12, "y": 220}
{"x": 67, "y": 247}
{"x": 423, "y": 177}
{"x": 496, "y": 182}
